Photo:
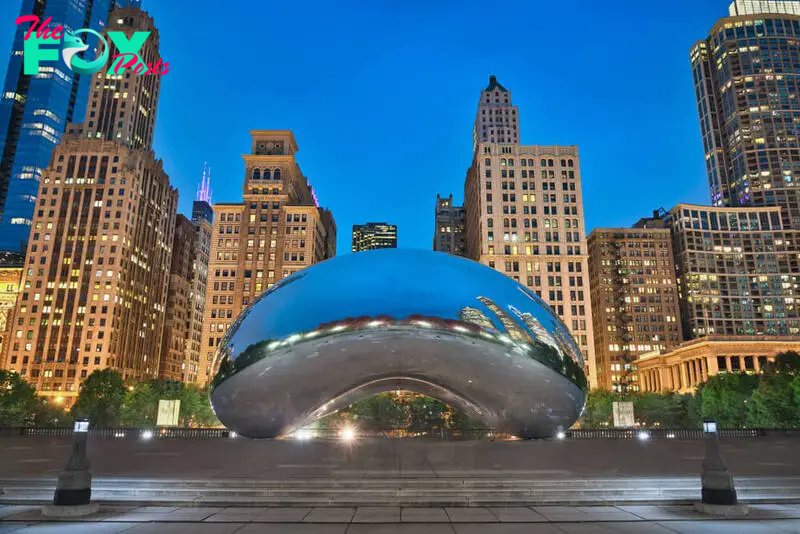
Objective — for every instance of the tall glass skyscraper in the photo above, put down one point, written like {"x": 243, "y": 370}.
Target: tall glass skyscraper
{"x": 34, "y": 111}
{"x": 747, "y": 84}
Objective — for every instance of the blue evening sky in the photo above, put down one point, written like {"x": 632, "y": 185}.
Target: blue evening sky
{"x": 381, "y": 96}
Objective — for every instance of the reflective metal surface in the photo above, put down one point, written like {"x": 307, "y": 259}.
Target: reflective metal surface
{"x": 383, "y": 320}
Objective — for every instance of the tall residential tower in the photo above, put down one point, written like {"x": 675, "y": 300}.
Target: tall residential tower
{"x": 747, "y": 84}
{"x": 97, "y": 268}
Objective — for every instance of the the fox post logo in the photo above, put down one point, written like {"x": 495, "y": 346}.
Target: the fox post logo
{"x": 71, "y": 45}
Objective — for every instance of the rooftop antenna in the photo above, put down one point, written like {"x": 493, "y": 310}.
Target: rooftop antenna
{"x": 204, "y": 189}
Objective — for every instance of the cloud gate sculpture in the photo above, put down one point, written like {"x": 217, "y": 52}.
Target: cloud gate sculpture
{"x": 394, "y": 319}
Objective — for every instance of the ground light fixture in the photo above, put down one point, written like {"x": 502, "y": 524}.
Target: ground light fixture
{"x": 303, "y": 434}
{"x": 147, "y": 435}
{"x": 348, "y": 434}
{"x": 561, "y": 435}
{"x": 643, "y": 435}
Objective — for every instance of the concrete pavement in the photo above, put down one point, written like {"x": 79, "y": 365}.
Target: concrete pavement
{"x": 764, "y": 519}
{"x": 382, "y": 458}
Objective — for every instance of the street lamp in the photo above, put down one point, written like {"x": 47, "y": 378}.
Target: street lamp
{"x": 74, "y": 485}
{"x": 718, "y": 491}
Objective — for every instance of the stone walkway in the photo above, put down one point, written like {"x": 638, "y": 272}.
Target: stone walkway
{"x": 763, "y": 519}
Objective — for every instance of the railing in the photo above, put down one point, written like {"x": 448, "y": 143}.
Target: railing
{"x": 389, "y": 433}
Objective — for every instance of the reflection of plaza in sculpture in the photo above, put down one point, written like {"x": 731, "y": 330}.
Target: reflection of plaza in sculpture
{"x": 358, "y": 325}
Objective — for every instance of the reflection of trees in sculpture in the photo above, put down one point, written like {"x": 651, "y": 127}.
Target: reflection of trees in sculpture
{"x": 250, "y": 355}
{"x": 406, "y": 411}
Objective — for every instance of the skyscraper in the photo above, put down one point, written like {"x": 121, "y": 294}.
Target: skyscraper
{"x": 738, "y": 271}
{"x": 747, "y": 81}
{"x": 634, "y": 298}
{"x": 448, "y": 235}
{"x": 34, "y": 112}
{"x": 275, "y": 231}
{"x": 524, "y": 214}
{"x": 179, "y": 310}
{"x": 96, "y": 281}
{"x": 497, "y": 120}
{"x": 374, "y": 235}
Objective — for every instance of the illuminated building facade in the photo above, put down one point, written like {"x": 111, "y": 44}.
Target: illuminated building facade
{"x": 183, "y": 331}
{"x": 179, "y": 301}
{"x": 524, "y": 215}
{"x": 275, "y": 231}
{"x": 449, "y": 236}
{"x": 635, "y": 307}
{"x": 34, "y": 112}
{"x": 97, "y": 266}
{"x": 747, "y": 83}
{"x": 11, "y": 265}
{"x": 374, "y": 235}
{"x": 737, "y": 271}
{"x": 690, "y": 364}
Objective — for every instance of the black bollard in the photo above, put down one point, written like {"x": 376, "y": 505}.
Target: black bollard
{"x": 718, "y": 490}
{"x": 74, "y": 486}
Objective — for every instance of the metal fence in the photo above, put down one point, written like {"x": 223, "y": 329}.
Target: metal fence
{"x": 449, "y": 435}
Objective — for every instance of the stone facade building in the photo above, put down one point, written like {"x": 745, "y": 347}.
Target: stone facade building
{"x": 96, "y": 277}
{"x": 275, "y": 231}
{"x": 688, "y": 365}
{"x": 449, "y": 235}
{"x": 524, "y": 215}
{"x": 635, "y": 307}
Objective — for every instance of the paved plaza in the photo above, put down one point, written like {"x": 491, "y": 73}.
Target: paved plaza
{"x": 289, "y": 459}
{"x": 763, "y": 519}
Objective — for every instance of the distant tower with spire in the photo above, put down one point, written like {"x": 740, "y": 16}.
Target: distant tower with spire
{"x": 201, "y": 208}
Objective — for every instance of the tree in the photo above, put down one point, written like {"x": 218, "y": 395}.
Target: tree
{"x": 426, "y": 414}
{"x": 785, "y": 363}
{"x": 50, "y": 414}
{"x": 724, "y": 397}
{"x": 195, "y": 408}
{"x": 18, "y": 401}
{"x": 100, "y": 399}
{"x": 773, "y": 403}
{"x": 598, "y": 412}
{"x": 140, "y": 408}
{"x": 379, "y": 412}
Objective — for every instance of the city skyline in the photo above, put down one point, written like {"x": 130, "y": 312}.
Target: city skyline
{"x": 558, "y": 110}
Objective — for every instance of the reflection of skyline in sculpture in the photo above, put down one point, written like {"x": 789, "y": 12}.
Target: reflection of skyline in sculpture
{"x": 512, "y": 327}
{"x": 539, "y": 332}
{"x": 475, "y": 316}
{"x": 390, "y": 319}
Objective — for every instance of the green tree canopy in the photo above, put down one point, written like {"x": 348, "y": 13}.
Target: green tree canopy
{"x": 100, "y": 399}
{"x": 18, "y": 401}
{"x": 724, "y": 397}
{"x": 598, "y": 412}
{"x": 785, "y": 363}
{"x": 773, "y": 404}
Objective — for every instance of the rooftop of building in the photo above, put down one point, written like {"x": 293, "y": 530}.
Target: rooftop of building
{"x": 720, "y": 339}
{"x": 494, "y": 84}
{"x": 718, "y": 209}
{"x": 763, "y": 7}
